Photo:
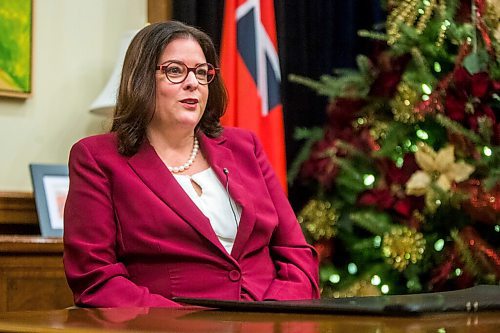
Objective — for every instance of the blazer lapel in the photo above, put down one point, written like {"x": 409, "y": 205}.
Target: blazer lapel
{"x": 222, "y": 161}
{"x": 152, "y": 171}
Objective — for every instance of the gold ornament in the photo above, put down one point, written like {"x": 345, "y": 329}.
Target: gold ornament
{"x": 444, "y": 25}
{"x": 404, "y": 13}
{"x": 419, "y": 217}
{"x": 492, "y": 17}
{"x": 402, "y": 246}
{"x": 379, "y": 130}
{"x": 403, "y": 104}
{"x": 429, "y": 7}
{"x": 359, "y": 288}
{"x": 415, "y": 14}
{"x": 319, "y": 218}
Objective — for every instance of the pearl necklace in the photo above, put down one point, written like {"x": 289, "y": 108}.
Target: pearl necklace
{"x": 189, "y": 162}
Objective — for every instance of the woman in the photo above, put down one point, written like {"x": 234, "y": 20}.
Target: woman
{"x": 170, "y": 204}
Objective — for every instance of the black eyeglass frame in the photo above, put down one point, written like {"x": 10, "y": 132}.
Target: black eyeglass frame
{"x": 162, "y": 68}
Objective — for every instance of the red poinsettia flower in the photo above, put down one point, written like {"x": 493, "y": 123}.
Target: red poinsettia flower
{"x": 389, "y": 194}
{"x": 341, "y": 114}
{"x": 390, "y": 72}
{"x": 342, "y": 111}
{"x": 467, "y": 99}
{"x": 319, "y": 165}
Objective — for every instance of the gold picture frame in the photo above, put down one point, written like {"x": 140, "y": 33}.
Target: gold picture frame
{"x": 16, "y": 40}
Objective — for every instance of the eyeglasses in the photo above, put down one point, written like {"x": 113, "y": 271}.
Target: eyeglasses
{"x": 177, "y": 72}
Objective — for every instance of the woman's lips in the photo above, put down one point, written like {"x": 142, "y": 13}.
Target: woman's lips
{"x": 189, "y": 103}
{"x": 189, "y": 100}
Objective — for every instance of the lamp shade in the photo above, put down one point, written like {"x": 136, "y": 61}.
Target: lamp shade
{"x": 105, "y": 103}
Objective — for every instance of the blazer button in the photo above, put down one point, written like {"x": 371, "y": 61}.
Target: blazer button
{"x": 234, "y": 275}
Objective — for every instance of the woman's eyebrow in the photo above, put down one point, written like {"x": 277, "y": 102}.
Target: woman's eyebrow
{"x": 181, "y": 62}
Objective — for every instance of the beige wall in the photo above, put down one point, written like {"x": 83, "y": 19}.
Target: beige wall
{"x": 75, "y": 45}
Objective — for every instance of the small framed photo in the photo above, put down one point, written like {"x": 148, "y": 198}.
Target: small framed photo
{"x": 50, "y": 185}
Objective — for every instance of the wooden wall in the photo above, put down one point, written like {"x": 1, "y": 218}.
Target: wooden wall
{"x": 159, "y": 10}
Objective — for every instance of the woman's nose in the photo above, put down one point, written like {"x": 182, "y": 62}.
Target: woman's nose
{"x": 191, "y": 81}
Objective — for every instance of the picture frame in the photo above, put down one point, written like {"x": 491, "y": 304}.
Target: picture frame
{"x": 50, "y": 188}
{"x": 16, "y": 44}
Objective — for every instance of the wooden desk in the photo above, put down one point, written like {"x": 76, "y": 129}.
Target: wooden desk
{"x": 196, "y": 320}
{"x": 32, "y": 274}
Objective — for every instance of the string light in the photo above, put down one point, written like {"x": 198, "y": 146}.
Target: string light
{"x": 426, "y": 88}
{"x": 384, "y": 289}
{"x": 439, "y": 245}
{"x": 334, "y": 278}
{"x": 368, "y": 180}
{"x": 487, "y": 151}
{"x": 422, "y": 134}
{"x": 376, "y": 280}
{"x": 437, "y": 67}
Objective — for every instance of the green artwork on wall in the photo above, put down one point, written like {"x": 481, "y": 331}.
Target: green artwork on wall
{"x": 15, "y": 47}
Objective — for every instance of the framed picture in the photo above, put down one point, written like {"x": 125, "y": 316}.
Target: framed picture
{"x": 16, "y": 27}
{"x": 50, "y": 185}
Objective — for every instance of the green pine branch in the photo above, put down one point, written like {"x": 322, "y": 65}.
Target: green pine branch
{"x": 455, "y": 127}
{"x": 311, "y": 136}
{"x": 345, "y": 82}
{"x": 375, "y": 222}
{"x": 372, "y": 35}
{"x": 353, "y": 151}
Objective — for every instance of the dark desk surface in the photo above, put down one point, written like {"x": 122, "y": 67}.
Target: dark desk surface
{"x": 196, "y": 320}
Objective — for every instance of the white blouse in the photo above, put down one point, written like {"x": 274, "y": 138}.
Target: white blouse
{"x": 215, "y": 203}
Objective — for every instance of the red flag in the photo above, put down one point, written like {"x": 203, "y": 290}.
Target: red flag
{"x": 251, "y": 72}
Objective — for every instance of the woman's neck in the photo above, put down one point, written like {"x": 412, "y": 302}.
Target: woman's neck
{"x": 177, "y": 140}
{"x": 173, "y": 147}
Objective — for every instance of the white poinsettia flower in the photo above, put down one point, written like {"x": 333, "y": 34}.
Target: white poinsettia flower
{"x": 460, "y": 171}
{"x": 418, "y": 183}
{"x": 439, "y": 168}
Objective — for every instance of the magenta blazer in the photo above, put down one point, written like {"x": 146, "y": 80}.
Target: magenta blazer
{"x": 133, "y": 237}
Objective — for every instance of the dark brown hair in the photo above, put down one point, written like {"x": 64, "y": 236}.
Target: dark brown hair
{"x": 136, "y": 100}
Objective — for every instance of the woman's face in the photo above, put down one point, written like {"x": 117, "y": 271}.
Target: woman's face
{"x": 180, "y": 105}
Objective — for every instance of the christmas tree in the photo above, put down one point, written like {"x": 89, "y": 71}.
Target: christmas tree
{"x": 406, "y": 170}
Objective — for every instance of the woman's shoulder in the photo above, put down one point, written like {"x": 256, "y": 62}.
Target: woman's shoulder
{"x": 238, "y": 139}
{"x": 232, "y": 133}
{"x": 98, "y": 142}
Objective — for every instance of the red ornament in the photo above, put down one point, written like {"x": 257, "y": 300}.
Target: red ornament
{"x": 482, "y": 206}
{"x": 324, "y": 249}
{"x": 486, "y": 256}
